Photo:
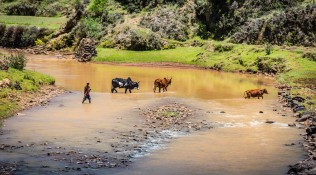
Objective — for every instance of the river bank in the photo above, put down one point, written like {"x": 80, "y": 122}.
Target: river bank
{"x": 305, "y": 117}
{"x": 22, "y": 89}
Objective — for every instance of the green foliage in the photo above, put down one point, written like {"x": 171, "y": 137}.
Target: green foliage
{"x": 23, "y": 8}
{"x": 268, "y": 48}
{"x": 203, "y": 32}
{"x": 271, "y": 65}
{"x": 223, "y": 18}
{"x": 61, "y": 42}
{"x": 168, "y": 23}
{"x": 132, "y": 39}
{"x": 93, "y": 28}
{"x": 295, "y": 26}
{"x": 20, "y": 36}
{"x": 223, "y": 48}
{"x": 28, "y": 80}
{"x": 16, "y": 61}
{"x": 133, "y": 6}
{"x": 310, "y": 55}
{"x": 39, "y": 42}
{"x": 97, "y": 7}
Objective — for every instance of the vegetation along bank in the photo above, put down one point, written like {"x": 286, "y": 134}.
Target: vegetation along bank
{"x": 21, "y": 89}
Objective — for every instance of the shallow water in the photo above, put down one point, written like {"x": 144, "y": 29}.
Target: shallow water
{"x": 240, "y": 143}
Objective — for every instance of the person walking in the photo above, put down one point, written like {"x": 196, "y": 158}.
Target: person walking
{"x": 86, "y": 93}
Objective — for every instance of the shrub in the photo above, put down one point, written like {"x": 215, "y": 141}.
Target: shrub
{"x": 168, "y": 23}
{"x": 17, "y": 61}
{"x": 93, "y": 28}
{"x": 270, "y": 65}
{"x": 97, "y": 7}
{"x": 268, "y": 48}
{"x": 223, "y": 48}
{"x": 39, "y": 42}
{"x": 139, "y": 39}
{"x": 310, "y": 55}
{"x": 23, "y": 8}
{"x": 7, "y": 40}
{"x": 21, "y": 36}
{"x": 61, "y": 42}
{"x": 108, "y": 43}
{"x": 2, "y": 30}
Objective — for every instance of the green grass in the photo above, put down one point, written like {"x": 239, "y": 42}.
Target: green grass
{"x": 241, "y": 57}
{"x": 28, "y": 80}
{"x": 179, "y": 55}
{"x": 44, "y": 22}
{"x": 169, "y": 114}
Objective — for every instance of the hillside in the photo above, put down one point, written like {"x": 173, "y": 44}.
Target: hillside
{"x": 162, "y": 24}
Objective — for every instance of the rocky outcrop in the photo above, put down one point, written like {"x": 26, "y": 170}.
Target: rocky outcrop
{"x": 308, "y": 118}
{"x": 86, "y": 50}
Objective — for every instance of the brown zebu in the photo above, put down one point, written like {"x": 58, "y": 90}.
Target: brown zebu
{"x": 255, "y": 93}
{"x": 162, "y": 84}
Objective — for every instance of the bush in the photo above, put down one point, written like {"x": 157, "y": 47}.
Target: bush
{"x": 97, "y": 7}
{"x": 93, "y": 28}
{"x": 268, "y": 48}
{"x": 223, "y": 48}
{"x": 16, "y": 61}
{"x": 2, "y": 30}
{"x": 61, "y": 42}
{"x": 168, "y": 23}
{"x": 271, "y": 65}
{"x": 295, "y": 26}
{"x": 139, "y": 39}
{"x": 310, "y": 55}
{"x": 129, "y": 38}
{"x": 23, "y": 8}
{"x": 21, "y": 36}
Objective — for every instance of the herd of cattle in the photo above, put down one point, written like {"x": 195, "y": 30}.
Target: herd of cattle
{"x": 163, "y": 83}
{"x": 128, "y": 84}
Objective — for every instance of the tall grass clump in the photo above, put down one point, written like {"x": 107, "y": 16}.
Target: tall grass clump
{"x": 17, "y": 61}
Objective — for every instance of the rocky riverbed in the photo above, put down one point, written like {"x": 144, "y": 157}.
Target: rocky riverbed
{"x": 305, "y": 119}
{"x": 160, "y": 125}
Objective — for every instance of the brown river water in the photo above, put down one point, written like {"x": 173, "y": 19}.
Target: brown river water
{"x": 241, "y": 143}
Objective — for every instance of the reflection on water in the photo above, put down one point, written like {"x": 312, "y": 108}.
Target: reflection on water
{"x": 240, "y": 143}
{"x": 185, "y": 82}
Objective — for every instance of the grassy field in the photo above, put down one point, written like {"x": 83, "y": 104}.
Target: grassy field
{"x": 234, "y": 59}
{"x": 43, "y": 22}
{"x": 178, "y": 55}
{"x": 28, "y": 80}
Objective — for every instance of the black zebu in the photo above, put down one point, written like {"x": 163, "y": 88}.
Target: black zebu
{"x": 128, "y": 84}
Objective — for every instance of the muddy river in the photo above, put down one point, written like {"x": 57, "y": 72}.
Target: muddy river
{"x": 239, "y": 142}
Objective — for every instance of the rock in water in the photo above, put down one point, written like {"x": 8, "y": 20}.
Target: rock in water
{"x": 86, "y": 50}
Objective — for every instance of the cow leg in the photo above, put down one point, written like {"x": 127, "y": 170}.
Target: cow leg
{"x": 159, "y": 89}
{"x": 130, "y": 91}
{"x": 154, "y": 89}
{"x": 125, "y": 90}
